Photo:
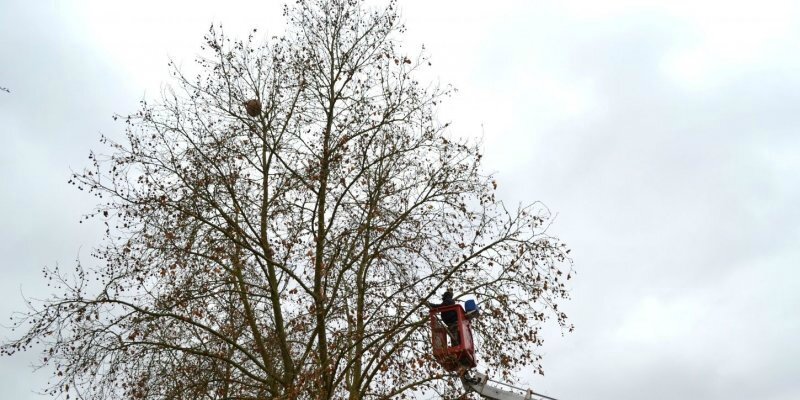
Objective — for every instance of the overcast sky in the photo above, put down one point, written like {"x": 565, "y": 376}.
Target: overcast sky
{"x": 664, "y": 134}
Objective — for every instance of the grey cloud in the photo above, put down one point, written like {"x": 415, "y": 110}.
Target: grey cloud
{"x": 678, "y": 202}
{"x": 62, "y": 96}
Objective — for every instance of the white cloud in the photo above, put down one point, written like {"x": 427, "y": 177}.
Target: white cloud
{"x": 661, "y": 322}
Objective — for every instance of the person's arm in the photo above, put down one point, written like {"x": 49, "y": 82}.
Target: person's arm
{"x": 432, "y": 305}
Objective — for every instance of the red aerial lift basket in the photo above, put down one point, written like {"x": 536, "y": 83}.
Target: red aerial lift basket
{"x": 462, "y": 355}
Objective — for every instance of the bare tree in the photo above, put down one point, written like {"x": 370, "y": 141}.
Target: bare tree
{"x": 277, "y": 223}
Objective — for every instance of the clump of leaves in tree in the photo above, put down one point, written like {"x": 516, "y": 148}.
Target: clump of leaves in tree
{"x": 277, "y": 222}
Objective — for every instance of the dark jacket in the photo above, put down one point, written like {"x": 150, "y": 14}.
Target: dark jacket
{"x": 448, "y": 317}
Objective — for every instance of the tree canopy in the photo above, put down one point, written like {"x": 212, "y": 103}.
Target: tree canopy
{"x": 277, "y": 223}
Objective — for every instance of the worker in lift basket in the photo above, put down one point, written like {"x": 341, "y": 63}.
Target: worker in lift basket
{"x": 450, "y": 318}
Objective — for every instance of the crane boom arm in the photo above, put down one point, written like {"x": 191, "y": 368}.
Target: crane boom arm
{"x": 493, "y": 390}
